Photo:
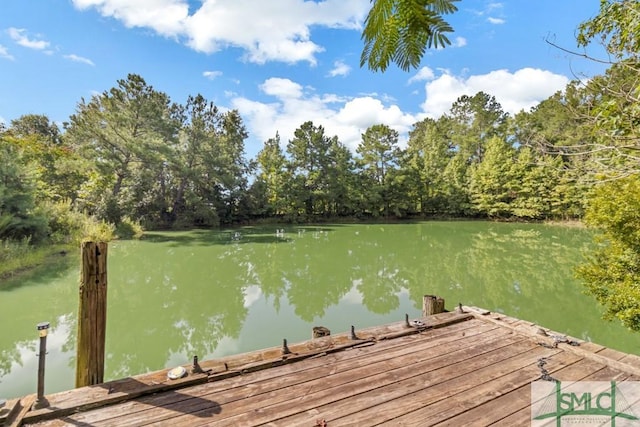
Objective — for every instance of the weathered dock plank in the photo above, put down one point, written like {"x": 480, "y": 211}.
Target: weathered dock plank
{"x": 370, "y": 379}
{"x": 483, "y": 391}
{"x": 470, "y": 368}
{"x": 519, "y": 399}
{"x": 441, "y": 393}
{"x": 113, "y": 392}
{"x": 9, "y": 409}
{"x": 523, "y": 416}
{"x": 428, "y": 374}
{"x": 493, "y": 400}
{"x": 284, "y": 382}
{"x": 19, "y": 409}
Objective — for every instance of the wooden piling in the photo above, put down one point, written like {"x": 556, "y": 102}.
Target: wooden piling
{"x": 92, "y": 315}
{"x": 432, "y": 304}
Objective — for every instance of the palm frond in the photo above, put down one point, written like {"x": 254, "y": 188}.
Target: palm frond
{"x": 400, "y": 31}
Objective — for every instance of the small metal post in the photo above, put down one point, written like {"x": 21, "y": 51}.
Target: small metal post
{"x": 285, "y": 347}
{"x": 353, "y": 333}
{"x": 406, "y": 321}
{"x": 196, "y": 368}
{"x": 41, "y": 401}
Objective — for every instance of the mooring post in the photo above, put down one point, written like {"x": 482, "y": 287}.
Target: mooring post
{"x": 432, "y": 304}
{"x": 92, "y": 315}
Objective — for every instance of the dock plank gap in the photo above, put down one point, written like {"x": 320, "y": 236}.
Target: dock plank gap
{"x": 465, "y": 367}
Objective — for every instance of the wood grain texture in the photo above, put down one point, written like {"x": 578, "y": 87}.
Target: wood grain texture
{"x": 460, "y": 369}
{"x": 92, "y": 314}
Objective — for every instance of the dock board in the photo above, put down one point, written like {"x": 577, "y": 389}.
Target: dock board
{"x": 469, "y": 368}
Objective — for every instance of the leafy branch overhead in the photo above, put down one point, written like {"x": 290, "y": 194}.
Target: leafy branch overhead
{"x": 617, "y": 27}
{"x": 400, "y": 31}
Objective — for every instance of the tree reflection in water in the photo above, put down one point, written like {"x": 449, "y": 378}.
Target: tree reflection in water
{"x": 211, "y": 293}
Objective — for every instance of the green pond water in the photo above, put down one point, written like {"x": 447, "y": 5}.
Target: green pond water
{"x": 174, "y": 295}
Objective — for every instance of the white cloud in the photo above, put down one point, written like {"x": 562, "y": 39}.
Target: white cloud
{"x": 492, "y": 8}
{"x": 266, "y": 30}
{"x": 281, "y": 88}
{"x": 4, "y": 53}
{"x": 18, "y": 35}
{"x": 339, "y": 69}
{"x": 425, "y": 73}
{"x": 366, "y": 111}
{"x": 166, "y": 17}
{"x": 80, "y": 59}
{"x": 348, "y": 117}
{"x": 459, "y": 42}
{"x": 211, "y": 75}
{"x": 293, "y": 105}
{"x": 516, "y": 91}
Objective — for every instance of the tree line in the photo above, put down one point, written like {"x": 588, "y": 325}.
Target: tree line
{"x": 131, "y": 153}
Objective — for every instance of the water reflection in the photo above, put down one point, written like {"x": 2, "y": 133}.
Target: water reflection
{"x": 214, "y": 293}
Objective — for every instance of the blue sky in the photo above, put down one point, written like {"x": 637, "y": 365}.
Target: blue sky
{"x": 281, "y": 62}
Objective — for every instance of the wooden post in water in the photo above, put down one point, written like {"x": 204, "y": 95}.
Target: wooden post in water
{"x": 92, "y": 315}
{"x": 432, "y": 304}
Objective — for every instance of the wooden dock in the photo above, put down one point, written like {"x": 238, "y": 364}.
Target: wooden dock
{"x": 458, "y": 369}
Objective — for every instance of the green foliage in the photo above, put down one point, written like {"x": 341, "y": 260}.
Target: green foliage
{"x": 612, "y": 272}
{"x": 611, "y": 113}
{"x": 96, "y": 230}
{"x": 616, "y": 26}
{"x": 65, "y": 224}
{"x": 400, "y": 31}
{"x": 131, "y": 153}
{"x": 427, "y": 155}
{"x": 157, "y": 161}
{"x": 379, "y": 158}
{"x": 530, "y": 187}
{"x": 491, "y": 180}
{"x": 129, "y": 229}
{"x": 317, "y": 184}
{"x": 273, "y": 176}
{"x": 10, "y": 249}
{"x": 18, "y": 219}
{"x": 57, "y": 171}
{"x": 16, "y": 255}
{"x": 614, "y": 208}
{"x": 613, "y": 102}
{"x": 125, "y": 132}
{"x": 36, "y": 125}
{"x": 472, "y": 121}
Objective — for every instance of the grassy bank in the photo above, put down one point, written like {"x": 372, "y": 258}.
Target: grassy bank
{"x": 18, "y": 258}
